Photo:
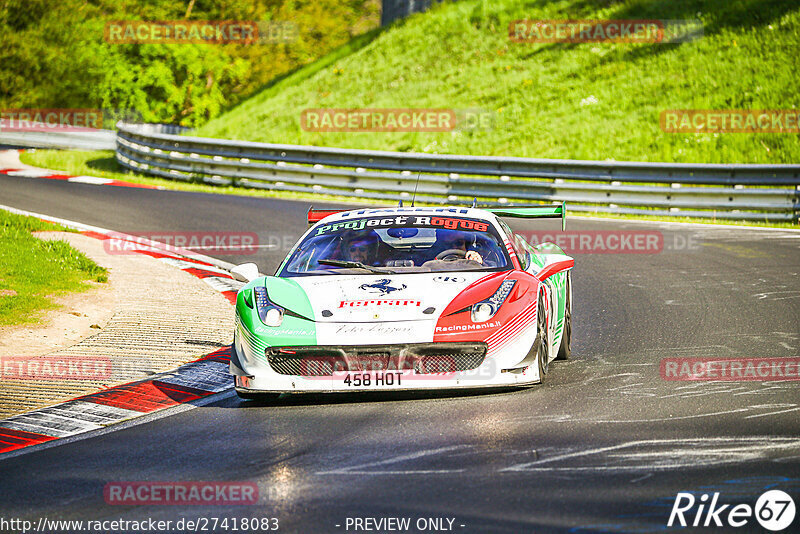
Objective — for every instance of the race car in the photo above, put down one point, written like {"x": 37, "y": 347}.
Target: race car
{"x": 404, "y": 298}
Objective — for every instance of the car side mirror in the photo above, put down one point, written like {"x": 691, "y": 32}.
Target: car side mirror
{"x": 246, "y": 272}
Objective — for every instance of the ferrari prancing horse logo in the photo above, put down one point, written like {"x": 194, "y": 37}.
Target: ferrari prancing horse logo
{"x": 382, "y": 287}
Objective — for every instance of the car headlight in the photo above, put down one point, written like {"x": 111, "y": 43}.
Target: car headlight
{"x": 482, "y": 312}
{"x": 269, "y": 313}
{"x": 486, "y": 309}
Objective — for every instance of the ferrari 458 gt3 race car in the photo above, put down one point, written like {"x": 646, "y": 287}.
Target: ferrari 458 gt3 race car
{"x": 404, "y": 298}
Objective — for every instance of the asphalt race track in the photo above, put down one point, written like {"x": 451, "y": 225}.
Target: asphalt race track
{"x": 604, "y": 445}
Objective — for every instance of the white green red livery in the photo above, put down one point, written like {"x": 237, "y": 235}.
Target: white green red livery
{"x": 404, "y": 298}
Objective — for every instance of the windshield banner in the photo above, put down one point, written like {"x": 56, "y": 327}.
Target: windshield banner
{"x": 450, "y": 223}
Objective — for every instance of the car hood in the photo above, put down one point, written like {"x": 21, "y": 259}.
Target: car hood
{"x": 376, "y": 298}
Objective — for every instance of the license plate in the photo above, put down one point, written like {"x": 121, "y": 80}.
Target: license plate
{"x": 377, "y": 379}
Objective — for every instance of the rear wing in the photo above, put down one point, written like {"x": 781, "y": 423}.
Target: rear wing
{"x": 315, "y": 216}
{"x": 520, "y": 212}
{"x": 534, "y": 212}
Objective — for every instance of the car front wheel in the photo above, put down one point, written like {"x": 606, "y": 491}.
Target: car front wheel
{"x": 543, "y": 351}
{"x": 565, "y": 351}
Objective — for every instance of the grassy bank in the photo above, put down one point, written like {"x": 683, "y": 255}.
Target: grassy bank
{"x": 592, "y": 101}
{"x": 32, "y": 271}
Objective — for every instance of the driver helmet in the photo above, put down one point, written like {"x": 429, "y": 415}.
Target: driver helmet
{"x": 361, "y": 247}
{"x": 455, "y": 239}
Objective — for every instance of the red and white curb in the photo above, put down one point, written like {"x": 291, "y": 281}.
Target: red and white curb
{"x": 190, "y": 382}
{"x": 193, "y": 381}
{"x": 91, "y": 180}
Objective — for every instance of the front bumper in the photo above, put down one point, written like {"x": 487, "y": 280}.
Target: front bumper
{"x": 394, "y": 367}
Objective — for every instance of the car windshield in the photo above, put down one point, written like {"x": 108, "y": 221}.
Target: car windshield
{"x": 398, "y": 244}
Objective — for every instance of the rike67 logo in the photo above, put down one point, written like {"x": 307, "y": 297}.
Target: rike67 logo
{"x": 774, "y": 510}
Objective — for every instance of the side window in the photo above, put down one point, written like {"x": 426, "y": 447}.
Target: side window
{"x": 508, "y": 233}
{"x": 518, "y": 245}
{"x": 522, "y": 251}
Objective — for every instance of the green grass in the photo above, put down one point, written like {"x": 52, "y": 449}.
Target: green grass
{"x": 103, "y": 164}
{"x": 592, "y": 101}
{"x": 32, "y": 270}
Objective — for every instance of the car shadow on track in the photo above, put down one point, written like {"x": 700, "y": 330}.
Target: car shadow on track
{"x": 321, "y": 399}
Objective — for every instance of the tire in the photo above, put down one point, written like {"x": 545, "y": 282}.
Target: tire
{"x": 565, "y": 350}
{"x": 542, "y": 342}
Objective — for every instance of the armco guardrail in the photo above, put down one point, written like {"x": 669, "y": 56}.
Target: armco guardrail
{"x": 749, "y": 192}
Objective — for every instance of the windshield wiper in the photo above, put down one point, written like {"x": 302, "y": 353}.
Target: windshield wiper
{"x": 355, "y": 265}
